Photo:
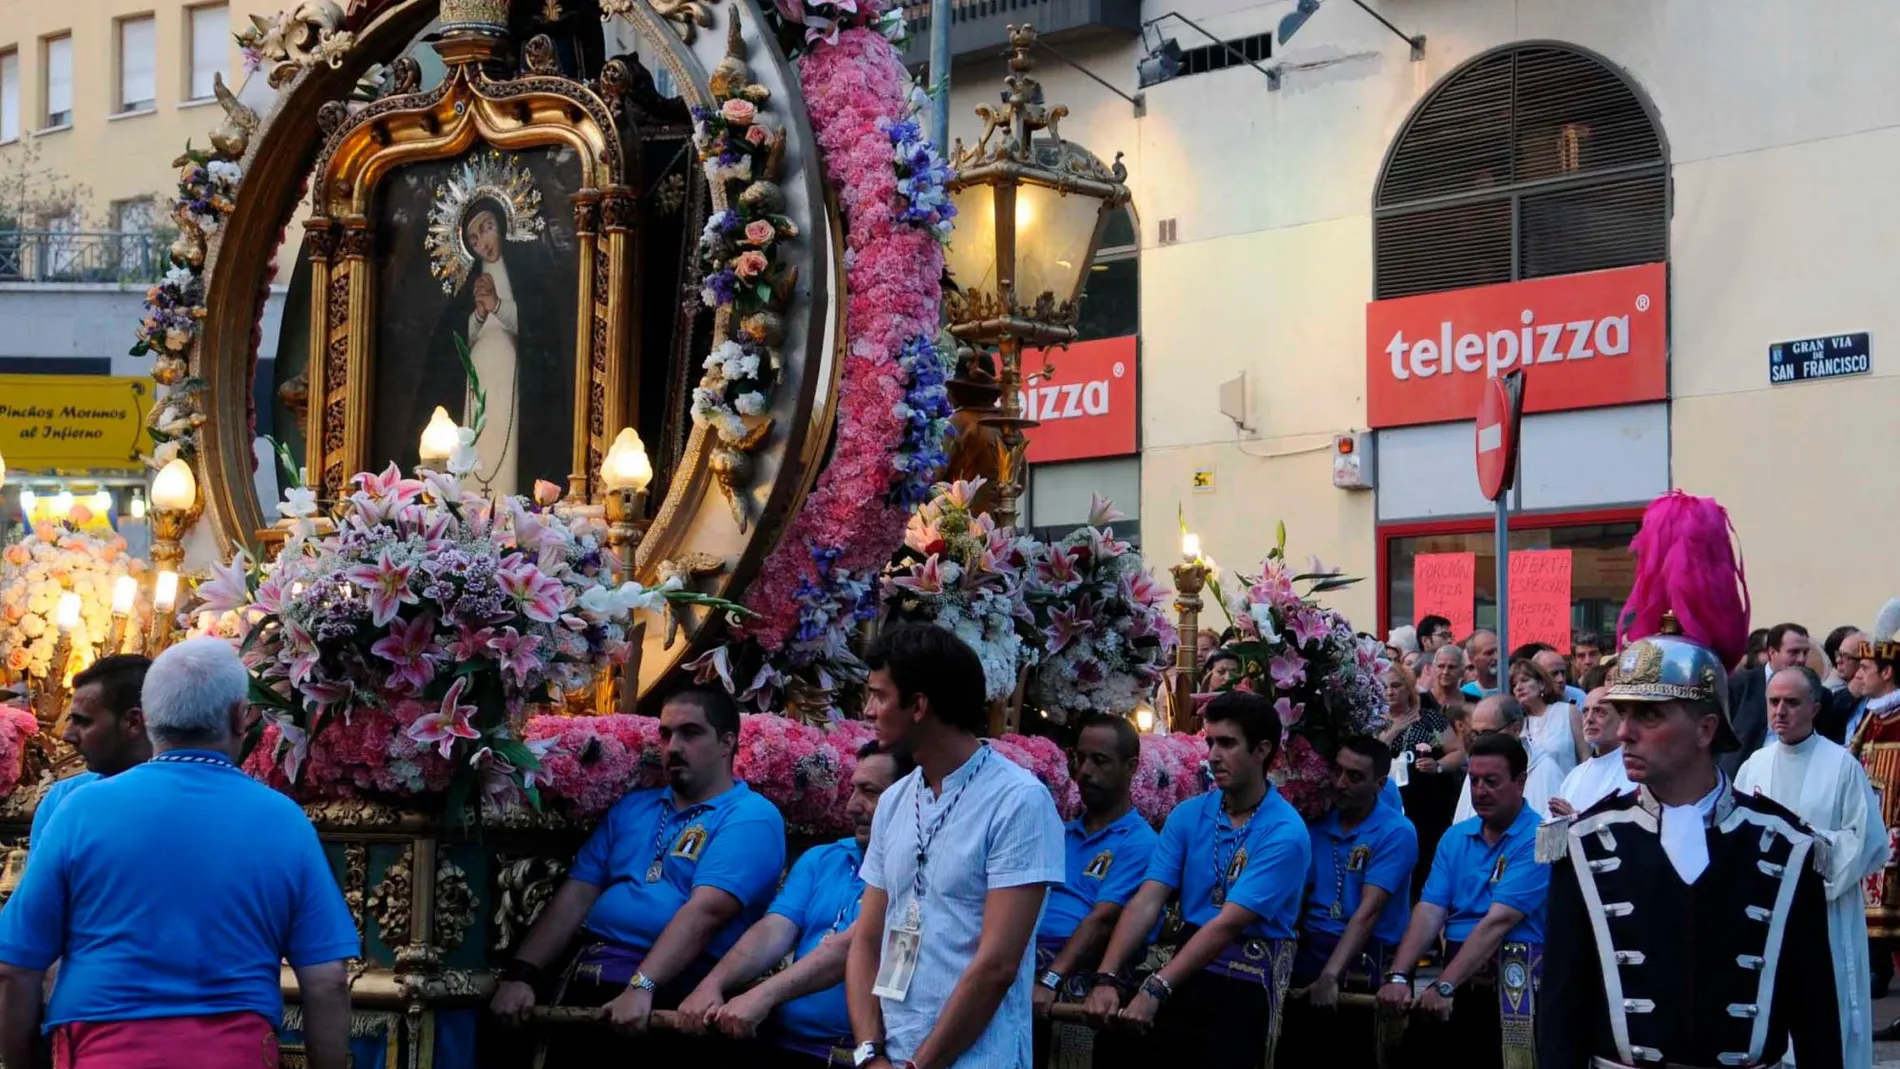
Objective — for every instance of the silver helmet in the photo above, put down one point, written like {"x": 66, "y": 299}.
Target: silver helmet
{"x": 1671, "y": 667}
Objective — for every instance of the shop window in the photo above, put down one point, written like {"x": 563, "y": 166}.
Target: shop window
{"x": 1527, "y": 162}
{"x": 1602, "y": 570}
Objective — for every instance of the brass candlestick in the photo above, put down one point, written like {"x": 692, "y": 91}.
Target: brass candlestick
{"x": 626, "y": 525}
{"x": 1190, "y": 577}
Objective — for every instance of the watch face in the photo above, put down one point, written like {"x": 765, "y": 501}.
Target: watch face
{"x": 1445, "y": 989}
{"x": 1076, "y": 987}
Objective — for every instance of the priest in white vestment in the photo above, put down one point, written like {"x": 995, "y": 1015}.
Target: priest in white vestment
{"x": 1501, "y": 714}
{"x": 1603, "y": 774}
{"x": 1826, "y": 788}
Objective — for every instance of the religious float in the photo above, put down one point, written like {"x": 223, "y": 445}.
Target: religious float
{"x": 610, "y": 370}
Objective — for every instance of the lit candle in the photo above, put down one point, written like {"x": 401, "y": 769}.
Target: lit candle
{"x": 1190, "y": 546}
{"x": 124, "y": 592}
{"x": 176, "y": 488}
{"x": 28, "y": 499}
{"x": 138, "y": 506}
{"x": 626, "y": 466}
{"x": 1144, "y": 719}
{"x": 67, "y": 615}
{"x": 439, "y": 438}
{"x": 165, "y": 592}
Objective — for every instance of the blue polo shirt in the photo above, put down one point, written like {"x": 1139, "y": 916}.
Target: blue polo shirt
{"x": 821, "y": 896}
{"x": 175, "y": 889}
{"x": 50, "y": 802}
{"x": 1265, "y": 862}
{"x": 734, "y": 841}
{"x": 1108, "y": 866}
{"x": 1381, "y": 852}
{"x": 1469, "y": 874}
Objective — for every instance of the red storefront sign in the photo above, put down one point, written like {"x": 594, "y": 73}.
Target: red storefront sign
{"x": 1088, "y": 408}
{"x": 1584, "y": 341}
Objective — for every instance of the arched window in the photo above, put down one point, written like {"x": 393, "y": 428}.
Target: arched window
{"x": 1533, "y": 160}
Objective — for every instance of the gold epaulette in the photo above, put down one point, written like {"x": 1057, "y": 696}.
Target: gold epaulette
{"x": 1553, "y": 840}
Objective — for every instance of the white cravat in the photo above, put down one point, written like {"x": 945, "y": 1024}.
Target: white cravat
{"x": 1685, "y": 832}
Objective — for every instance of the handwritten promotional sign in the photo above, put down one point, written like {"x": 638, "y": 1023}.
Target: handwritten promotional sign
{"x": 1443, "y": 584}
{"x": 73, "y": 422}
{"x": 1540, "y": 598}
{"x": 1584, "y": 341}
{"x": 1087, "y": 409}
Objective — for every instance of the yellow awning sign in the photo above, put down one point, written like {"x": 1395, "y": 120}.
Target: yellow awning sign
{"x": 73, "y": 422}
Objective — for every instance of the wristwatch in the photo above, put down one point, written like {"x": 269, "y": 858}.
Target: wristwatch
{"x": 1445, "y": 989}
{"x": 1051, "y": 980}
{"x": 1399, "y": 978}
{"x": 640, "y": 981}
{"x": 866, "y": 1053}
{"x": 1156, "y": 988}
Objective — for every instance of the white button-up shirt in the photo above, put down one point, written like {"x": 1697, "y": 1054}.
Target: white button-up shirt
{"x": 999, "y": 829}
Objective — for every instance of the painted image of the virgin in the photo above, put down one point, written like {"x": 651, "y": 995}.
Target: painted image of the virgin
{"x": 508, "y": 320}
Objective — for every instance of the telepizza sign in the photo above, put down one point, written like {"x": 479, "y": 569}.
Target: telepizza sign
{"x": 1584, "y": 341}
{"x": 1087, "y": 408}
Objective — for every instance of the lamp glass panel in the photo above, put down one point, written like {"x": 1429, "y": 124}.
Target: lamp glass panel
{"x": 972, "y": 253}
{"x": 1054, "y": 232}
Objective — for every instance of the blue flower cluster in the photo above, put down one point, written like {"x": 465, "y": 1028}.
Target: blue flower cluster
{"x": 829, "y": 610}
{"x": 926, "y": 413}
{"x": 921, "y": 178}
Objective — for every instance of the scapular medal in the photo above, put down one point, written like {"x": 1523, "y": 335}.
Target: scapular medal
{"x": 655, "y": 871}
{"x": 1220, "y": 893}
{"x": 1337, "y": 913}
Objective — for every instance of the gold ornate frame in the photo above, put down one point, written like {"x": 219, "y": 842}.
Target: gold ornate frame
{"x": 466, "y": 109}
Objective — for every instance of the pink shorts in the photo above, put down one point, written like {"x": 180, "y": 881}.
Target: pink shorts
{"x": 219, "y": 1041}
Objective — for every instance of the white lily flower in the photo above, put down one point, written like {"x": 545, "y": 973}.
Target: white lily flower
{"x": 299, "y": 502}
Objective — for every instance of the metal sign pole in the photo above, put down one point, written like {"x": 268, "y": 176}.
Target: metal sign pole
{"x": 1503, "y": 582}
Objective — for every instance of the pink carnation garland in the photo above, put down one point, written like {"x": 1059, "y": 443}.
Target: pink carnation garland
{"x": 17, "y": 726}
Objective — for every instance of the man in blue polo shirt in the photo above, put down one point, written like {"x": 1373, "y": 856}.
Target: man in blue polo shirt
{"x": 1108, "y": 850}
{"x": 813, "y": 915}
{"x": 1238, "y": 857}
{"x": 1356, "y": 905}
{"x": 172, "y": 894}
{"x": 104, "y": 723}
{"x": 1486, "y": 893}
{"x": 667, "y": 883}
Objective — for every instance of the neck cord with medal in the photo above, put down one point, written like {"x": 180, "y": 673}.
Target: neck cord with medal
{"x": 1338, "y": 910}
{"x": 913, "y": 917}
{"x": 1224, "y": 819}
{"x": 660, "y": 835}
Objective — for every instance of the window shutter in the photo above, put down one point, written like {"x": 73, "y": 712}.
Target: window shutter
{"x": 1529, "y": 162}
{"x": 59, "y": 81}
{"x": 138, "y": 64}
{"x": 10, "y": 96}
{"x": 210, "y": 47}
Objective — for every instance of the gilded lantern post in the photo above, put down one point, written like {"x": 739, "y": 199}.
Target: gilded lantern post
{"x": 1190, "y": 578}
{"x": 1031, "y": 209}
{"x": 624, "y": 476}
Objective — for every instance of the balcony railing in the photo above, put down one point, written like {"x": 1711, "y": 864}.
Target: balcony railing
{"x": 129, "y": 257}
{"x": 981, "y": 27}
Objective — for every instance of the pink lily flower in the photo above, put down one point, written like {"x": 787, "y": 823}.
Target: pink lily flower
{"x": 411, "y": 648}
{"x": 389, "y": 486}
{"x": 320, "y": 696}
{"x": 497, "y": 776}
{"x": 962, "y": 493}
{"x": 385, "y": 586}
{"x": 470, "y": 644}
{"x": 271, "y": 595}
{"x": 1290, "y": 711}
{"x": 925, "y": 578}
{"x": 449, "y": 723}
{"x": 304, "y": 655}
{"x": 293, "y": 746}
{"x": 1066, "y": 625}
{"x": 535, "y": 595}
{"x": 1102, "y": 511}
{"x": 231, "y": 586}
{"x": 515, "y": 652}
{"x": 1288, "y": 669}
{"x": 1057, "y": 572}
{"x": 1307, "y": 626}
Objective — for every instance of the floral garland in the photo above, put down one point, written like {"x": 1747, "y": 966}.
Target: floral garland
{"x": 51, "y": 560}
{"x": 1173, "y": 769}
{"x": 856, "y": 89}
{"x": 18, "y": 725}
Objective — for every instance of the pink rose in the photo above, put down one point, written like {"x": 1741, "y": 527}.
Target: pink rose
{"x": 546, "y": 493}
{"x": 760, "y": 232}
{"x": 758, "y": 135}
{"x": 738, "y": 112}
{"x": 750, "y": 264}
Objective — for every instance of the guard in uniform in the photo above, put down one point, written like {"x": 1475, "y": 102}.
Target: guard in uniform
{"x": 1238, "y": 857}
{"x": 1688, "y": 922}
{"x": 1356, "y": 898}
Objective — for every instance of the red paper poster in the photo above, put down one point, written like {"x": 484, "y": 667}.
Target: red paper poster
{"x": 1443, "y": 585}
{"x": 1540, "y": 598}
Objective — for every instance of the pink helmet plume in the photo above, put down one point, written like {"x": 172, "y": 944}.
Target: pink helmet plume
{"x": 1686, "y": 564}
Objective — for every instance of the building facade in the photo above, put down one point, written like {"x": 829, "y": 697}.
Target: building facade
{"x": 1362, "y": 238}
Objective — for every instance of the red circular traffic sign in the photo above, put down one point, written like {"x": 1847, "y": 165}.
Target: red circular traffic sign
{"x": 1496, "y": 439}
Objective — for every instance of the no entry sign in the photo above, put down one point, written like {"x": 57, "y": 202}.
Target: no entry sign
{"x": 1499, "y": 414}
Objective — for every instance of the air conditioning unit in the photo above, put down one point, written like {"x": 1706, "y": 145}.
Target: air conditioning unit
{"x": 1233, "y": 401}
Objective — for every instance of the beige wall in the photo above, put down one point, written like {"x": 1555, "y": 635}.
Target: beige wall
{"x": 119, "y": 158}
{"x": 1781, "y": 125}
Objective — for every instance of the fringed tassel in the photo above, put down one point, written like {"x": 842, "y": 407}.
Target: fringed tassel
{"x": 1553, "y": 840}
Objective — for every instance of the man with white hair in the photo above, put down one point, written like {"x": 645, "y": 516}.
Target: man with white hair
{"x": 172, "y": 893}
{"x": 1501, "y": 714}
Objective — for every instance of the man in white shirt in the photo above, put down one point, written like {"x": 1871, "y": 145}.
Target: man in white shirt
{"x": 1827, "y": 788}
{"x": 940, "y": 968}
{"x": 1603, "y": 774}
{"x": 1501, "y": 714}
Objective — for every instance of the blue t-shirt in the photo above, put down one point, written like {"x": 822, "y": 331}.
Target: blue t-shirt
{"x": 175, "y": 889}
{"x": 1469, "y": 874}
{"x": 49, "y": 804}
{"x": 734, "y": 841}
{"x": 1264, "y": 864}
{"x": 1108, "y": 866}
{"x": 821, "y": 896}
{"x": 1381, "y": 852}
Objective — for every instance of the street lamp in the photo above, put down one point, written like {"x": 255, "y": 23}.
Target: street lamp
{"x": 174, "y": 506}
{"x": 1030, "y": 215}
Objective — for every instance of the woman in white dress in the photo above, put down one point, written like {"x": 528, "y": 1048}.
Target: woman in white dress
{"x": 1552, "y": 726}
